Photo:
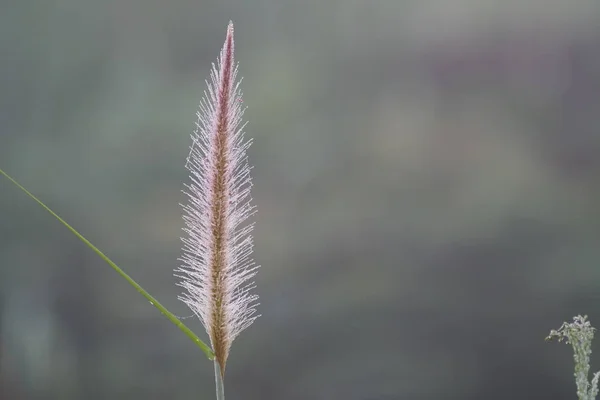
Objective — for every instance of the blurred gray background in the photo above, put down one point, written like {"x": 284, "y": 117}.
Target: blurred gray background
{"x": 427, "y": 176}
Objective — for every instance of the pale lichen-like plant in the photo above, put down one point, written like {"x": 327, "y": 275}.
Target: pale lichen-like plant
{"x": 217, "y": 267}
{"x": 579, "y": 334}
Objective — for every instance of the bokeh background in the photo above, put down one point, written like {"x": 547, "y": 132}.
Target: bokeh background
{"x": 427, "y": 175}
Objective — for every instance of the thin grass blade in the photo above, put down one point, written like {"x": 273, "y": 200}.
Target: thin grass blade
{"x": 170, "y": 316}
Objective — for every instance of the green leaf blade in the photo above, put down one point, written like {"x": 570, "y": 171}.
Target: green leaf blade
{"x": 170, "y": 316}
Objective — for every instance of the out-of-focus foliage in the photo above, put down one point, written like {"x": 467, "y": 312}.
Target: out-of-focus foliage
{"x": 427, "y": 176}
{"x": 580, "y": 334}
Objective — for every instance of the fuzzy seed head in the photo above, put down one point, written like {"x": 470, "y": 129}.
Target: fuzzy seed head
{"x": 217, "y": 267}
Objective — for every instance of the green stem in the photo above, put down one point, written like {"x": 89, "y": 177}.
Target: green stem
{"x": 219, "y": 382}
{"x": 170, "y": 316}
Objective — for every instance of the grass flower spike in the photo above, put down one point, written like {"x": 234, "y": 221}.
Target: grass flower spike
{"x": 217, "y": 267}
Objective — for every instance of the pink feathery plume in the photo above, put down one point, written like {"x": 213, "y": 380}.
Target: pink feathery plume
{"x": 216, "y": 263}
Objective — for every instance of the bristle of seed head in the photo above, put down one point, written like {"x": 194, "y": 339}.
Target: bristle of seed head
{"x": 217, "y": 267}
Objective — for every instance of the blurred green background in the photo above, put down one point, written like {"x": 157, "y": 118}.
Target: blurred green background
{"x": 427, "y": 176}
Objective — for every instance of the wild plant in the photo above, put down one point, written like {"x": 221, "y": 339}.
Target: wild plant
{"x": 579, "y": 334}
{"x": 216, "y": 266}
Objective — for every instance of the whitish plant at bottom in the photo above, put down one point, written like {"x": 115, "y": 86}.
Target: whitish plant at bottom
{"x": 579, "y": 334}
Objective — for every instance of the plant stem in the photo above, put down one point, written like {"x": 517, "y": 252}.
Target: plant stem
{"x": 219, "y": 382}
